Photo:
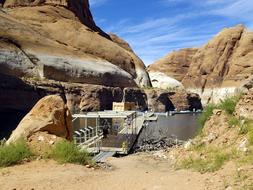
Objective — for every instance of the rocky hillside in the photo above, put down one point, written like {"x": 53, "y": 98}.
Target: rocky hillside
{"x": 224, "y": 146}
{"x": 215, "y": 70}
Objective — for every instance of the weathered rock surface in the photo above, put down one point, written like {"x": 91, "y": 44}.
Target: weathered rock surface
{"x": 175, "y": 64}
{"x": 164, "y": 100}
{"x": 136, "y": 95}
{"x": 59, "y": 40}
{"x": 50, "y": 114}
{"x": 244, "y": 107}
{"x": 168, "y": 72}
{"x": 122, "y": 43}
{"x": 18, "y": 96}
{"x": 80, "y": 8}
{"x": 42, "y": 142}
{"x": 163, "y": 81}
{"x": 218, "y": 68}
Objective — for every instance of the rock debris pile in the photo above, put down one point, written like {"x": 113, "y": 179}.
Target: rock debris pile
{"x": 157, "y": 144}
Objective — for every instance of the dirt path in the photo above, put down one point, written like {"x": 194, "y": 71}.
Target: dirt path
{"x": 135, "y": 172}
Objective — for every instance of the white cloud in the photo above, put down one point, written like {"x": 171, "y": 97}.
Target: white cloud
{"x": 242, "y": 9}
{"x": 155, "y": 37}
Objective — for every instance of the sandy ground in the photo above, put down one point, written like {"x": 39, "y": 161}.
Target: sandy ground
{"x": 135, "y": 172}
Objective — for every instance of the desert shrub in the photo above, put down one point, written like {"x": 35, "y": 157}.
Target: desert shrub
{"x": 14, "y": 153}
{"x": 67, "y": 152}
{"x": 229, "y": 104}
{"x": 213, "y": 162}
{"x": 206, "y": 114}
{"x": 233, "y": 121}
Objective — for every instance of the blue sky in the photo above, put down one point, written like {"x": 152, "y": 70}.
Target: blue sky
{"x": 156, "y": 27}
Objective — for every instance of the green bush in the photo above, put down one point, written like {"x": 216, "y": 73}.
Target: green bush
{"x": 66, "y": 152}
{"x": 206, "y": 114}
{"x": 229, "y": 104}
{"x": 233, "y": 121}
{"x": 14, "y": 153}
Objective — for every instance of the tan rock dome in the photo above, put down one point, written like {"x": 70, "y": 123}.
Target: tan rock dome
{"x": 59, "y": 40}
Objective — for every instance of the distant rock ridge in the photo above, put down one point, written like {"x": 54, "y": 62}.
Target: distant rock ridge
{"x": 215, "y": 70}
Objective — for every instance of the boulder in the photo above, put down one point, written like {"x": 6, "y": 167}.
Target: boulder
{"x": 50, "y": 114}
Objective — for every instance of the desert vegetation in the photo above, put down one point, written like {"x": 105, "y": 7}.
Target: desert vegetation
{"x": 214, "y": 160}
{"x": 62, "y": 152}
{"x": 225, "y": 138}
{"x": 14, "y": 153}
{"x": 67, "y": 152}
{"x": 228, "y": 105}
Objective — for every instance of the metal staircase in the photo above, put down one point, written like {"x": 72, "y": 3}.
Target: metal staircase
{"x": 103, "y": 155}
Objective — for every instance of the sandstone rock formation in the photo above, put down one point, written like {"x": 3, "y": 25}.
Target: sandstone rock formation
{"x": 218, "y": 68}
{"x": 122, "y": 43}
{"x": 164, "y": 100}
{"x": 18, "y": 96}
{"x": 163, "y": 81}
{"x": 59, "y": 40}
{"x": 175, "y": 64}
{"x": 50, "y": 114}
{"x": 80, "y": 8}
{"x": 42, "y": 142}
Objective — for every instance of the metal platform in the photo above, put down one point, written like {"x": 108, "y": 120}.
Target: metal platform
{"x": 123, "y": 130}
